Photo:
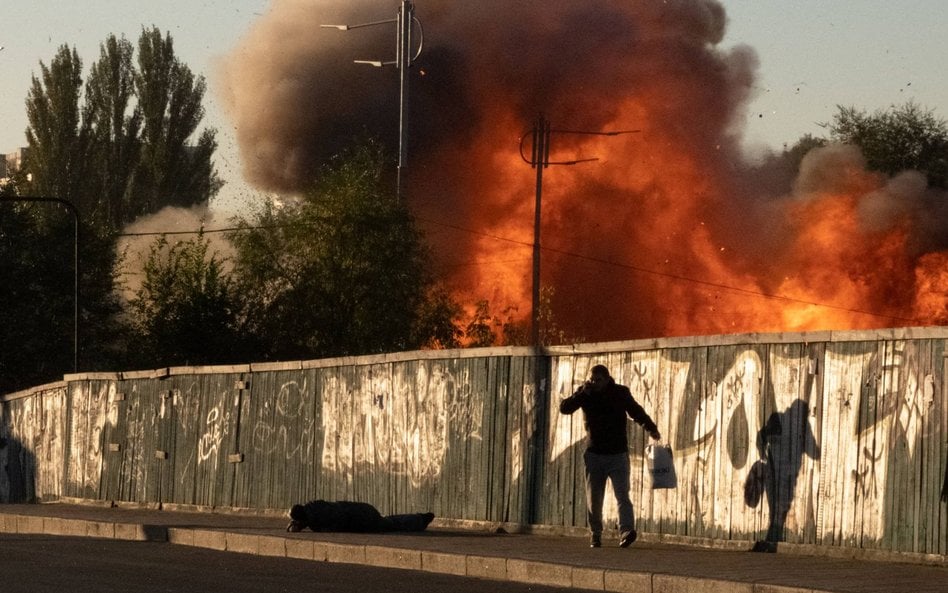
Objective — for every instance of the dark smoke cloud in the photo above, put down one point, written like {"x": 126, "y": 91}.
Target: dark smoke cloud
{"x": 674, "y": 201}
{"x": 296, "y": 95}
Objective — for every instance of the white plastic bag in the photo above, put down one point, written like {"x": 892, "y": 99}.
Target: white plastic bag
{"x": 661, "y": 466}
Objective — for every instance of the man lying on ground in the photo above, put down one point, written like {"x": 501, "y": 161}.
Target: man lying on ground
{"x": 352, "y": 517}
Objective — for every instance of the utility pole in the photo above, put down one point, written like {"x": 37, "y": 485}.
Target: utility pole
{"x": 540, "y": 159}
{"x": 406, "y": 15}
{"x": 405, "y": 23}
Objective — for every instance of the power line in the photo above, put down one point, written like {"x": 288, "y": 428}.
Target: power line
{"x": 682, "y": 278}
{"x": 727, "y": 286}
{"x": 198, "y": 232}
{"x": 473, "y": 232}
{"x": 572, "y": 254}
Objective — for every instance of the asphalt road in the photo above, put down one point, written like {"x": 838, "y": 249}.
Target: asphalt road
{"x": 53, "y": 564}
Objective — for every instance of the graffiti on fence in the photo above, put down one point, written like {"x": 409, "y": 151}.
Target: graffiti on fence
{"x": 135, "y": 432}
{"x": 705, "y": 417}
{"x": 289, "y": 434}
{"x": 465, "y": 407}
{"x": 749, "y": 422}
{"x": 216, "y": 425}
{"x": 396, "y": 419}
{"x": 187, "y": 403}
{"x": 89, "y": 410}
{"x": 865, "y": 474}
{"x": 767, "y": 444}
{"x": 521, "y": 437}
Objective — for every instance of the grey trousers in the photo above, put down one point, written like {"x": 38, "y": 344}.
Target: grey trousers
{"x": 616, "y": 469}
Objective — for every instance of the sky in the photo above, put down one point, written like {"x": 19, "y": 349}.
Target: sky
{"x": 813, "y": 55}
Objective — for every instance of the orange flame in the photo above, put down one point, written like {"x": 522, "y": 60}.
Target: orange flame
{"x": 671, "y": 232}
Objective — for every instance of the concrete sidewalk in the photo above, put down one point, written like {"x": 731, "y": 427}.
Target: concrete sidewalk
{"x": 649, "y": 566}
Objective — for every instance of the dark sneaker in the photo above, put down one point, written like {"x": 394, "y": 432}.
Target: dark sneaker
{"x": 595, "y": 541}
{"x": 627, "y": 538}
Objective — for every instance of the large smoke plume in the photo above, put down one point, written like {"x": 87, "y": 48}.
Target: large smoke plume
{"x": 670, "y": 232}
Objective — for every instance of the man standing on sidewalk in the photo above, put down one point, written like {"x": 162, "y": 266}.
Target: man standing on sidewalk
{"x": 605, "y": 405}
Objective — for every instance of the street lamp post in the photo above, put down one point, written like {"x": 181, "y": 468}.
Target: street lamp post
{"x": 75, "y": 261}
{"x": 540, "y": 159}
{"x": 405, "y": 22}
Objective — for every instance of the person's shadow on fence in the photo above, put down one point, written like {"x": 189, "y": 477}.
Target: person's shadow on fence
{"x": 781, "y": 445}
{"x": 17, "y": 472}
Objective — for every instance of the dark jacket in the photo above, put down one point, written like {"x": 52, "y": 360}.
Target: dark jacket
{"x": 346, "y": 516}
{"x": 354, "y": 517}
{"x": 604, "y": 414}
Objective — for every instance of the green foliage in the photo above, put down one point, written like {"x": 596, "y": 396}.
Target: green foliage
{"x": 131, "y": 149}
{"x": 36, "y": 303}
{"x": 341, "y": 271}
{"x": 186, "y": 309}
{"x": 103, "y": 330}
{"x": 805, "y": 144}
{"x": 115, "y": 147}
{"x": 551, "y": 333}
{"x": 134, "y": 147}
{"x": 902, "y": 138}
{"x": 37, "y": 243}
{"x": 56, "y": 148}
{"x": 485, "y": 329}
{"x": 12, "y": 186}
{"x": 170, "y": 102}
{"x": 479, "y": 331}
{"x": 436, "y": 325}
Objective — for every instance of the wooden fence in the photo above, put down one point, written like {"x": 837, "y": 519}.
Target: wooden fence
{"x": 828, "y": 438}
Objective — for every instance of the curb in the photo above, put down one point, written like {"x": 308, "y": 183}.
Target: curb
{"x": 493, "y": 568}
{"x": 32, "y": 524}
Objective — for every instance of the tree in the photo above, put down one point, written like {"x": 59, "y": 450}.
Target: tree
{"x": 114, "y": 128}
{"x": 15, "y": 183}
{"x": 794, "y": 155}
{"x": 902, "y": 138}
{"x": 479, "y": 330}
{"x": 436, "y": 326}
{"x": 170, "y": 97}
{"x": 56, "y": 148}
{"x": 36, "y": 303}
{"x": 186, "y": 309}
{"x": 484, "y": 329}
{"x": 134, "y": 147}
{"x": 95, "y": 158}
{"x": 342, "y": 271}
{"x": 550, "y": 331}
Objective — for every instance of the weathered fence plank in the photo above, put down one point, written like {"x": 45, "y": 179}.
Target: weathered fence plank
{"x": 836, "y": 439}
